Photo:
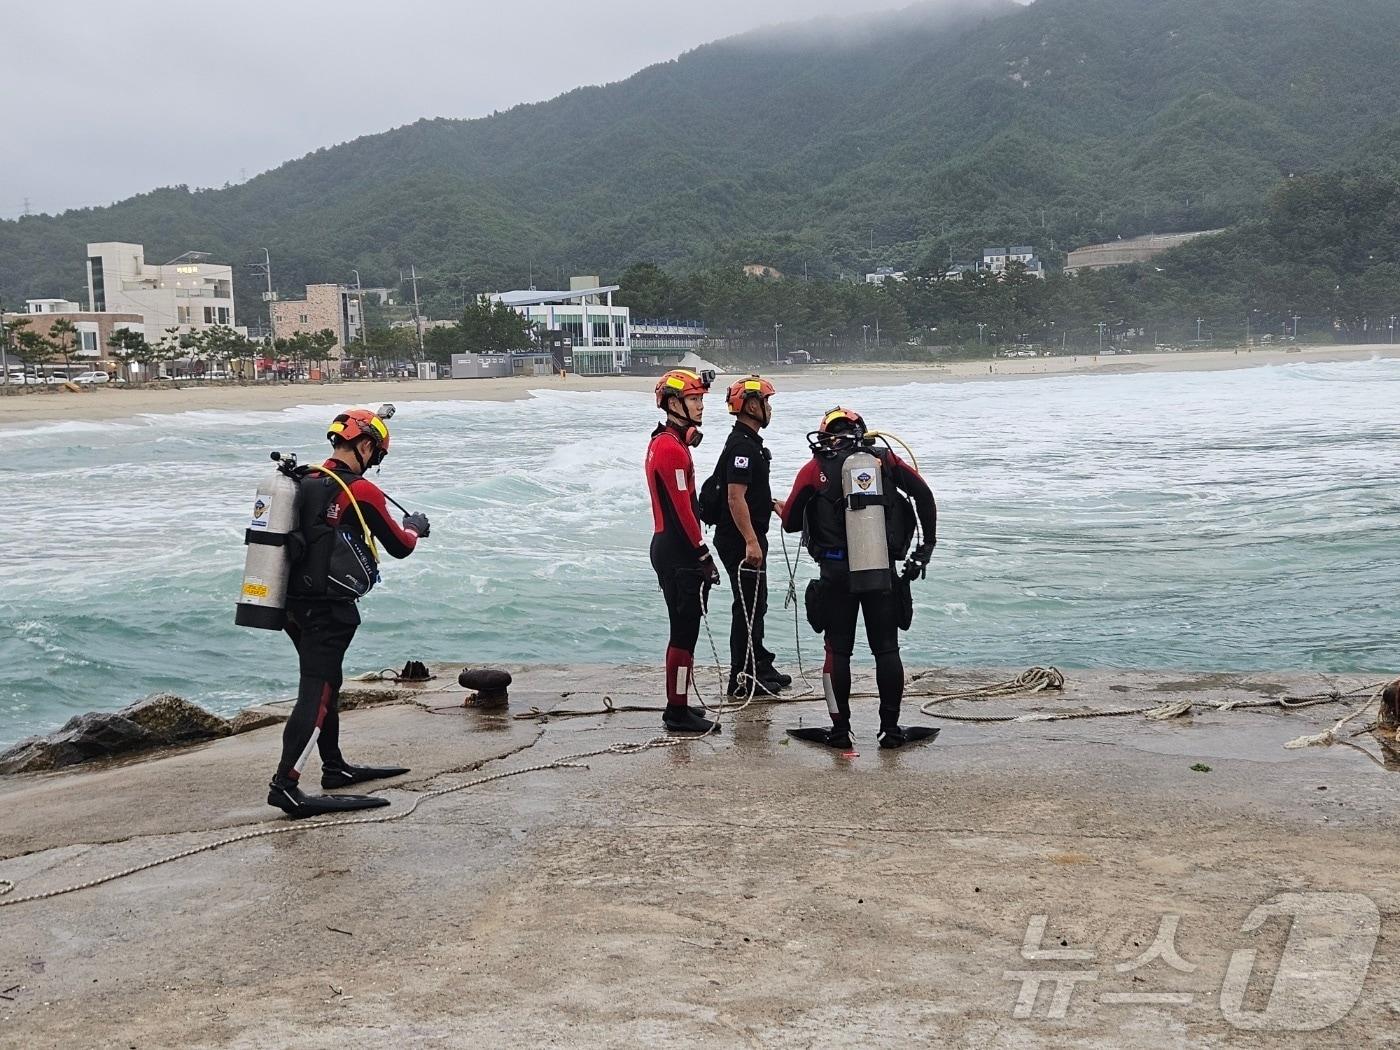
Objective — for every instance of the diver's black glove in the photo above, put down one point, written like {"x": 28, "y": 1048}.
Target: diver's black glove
{"x": 709, "y": 571}
{"x": 416, "y": 522}
{"x": 916, "y": 567}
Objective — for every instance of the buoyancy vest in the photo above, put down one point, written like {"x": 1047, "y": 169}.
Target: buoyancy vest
{"x": 334, "y": 562}
{"x": 824, "y": 523}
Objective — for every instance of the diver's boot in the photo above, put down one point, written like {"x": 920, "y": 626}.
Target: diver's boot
{"x": 284, "y": 793}
{"x": 838, "y": 737}
{"x": 344, "y": 775}
{"x": 679, "y": 719}
{"x": 739, "y": 690}
{"x": 897, "y": 736}
{"x": 773, "y": 679}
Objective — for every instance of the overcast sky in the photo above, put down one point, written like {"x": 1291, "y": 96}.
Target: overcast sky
{"x": 111, "y": 98}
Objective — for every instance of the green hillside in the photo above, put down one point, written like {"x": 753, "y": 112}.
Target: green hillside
{"x": 1061, "y": 123}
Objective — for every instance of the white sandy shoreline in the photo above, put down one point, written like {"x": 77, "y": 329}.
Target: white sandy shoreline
{"x": 95, "y": 404}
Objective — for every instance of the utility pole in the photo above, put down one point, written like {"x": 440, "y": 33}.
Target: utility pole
{"x": 1101, "y": 326}
{"x": 1296, "y": 319}
{"x": 865, "y": 339}
{"x": 981, "y": 327}
{"x": 1198, "y": 328}
{"x": 268, "y": 297}
{"x": 417, "y": 317}
{"x": 877, "y": 333}
{"x": 776, "y": 326}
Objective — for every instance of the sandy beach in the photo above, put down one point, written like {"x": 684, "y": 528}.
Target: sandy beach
{"x": 743, "y": 891}
{"x": 99, "y": 403}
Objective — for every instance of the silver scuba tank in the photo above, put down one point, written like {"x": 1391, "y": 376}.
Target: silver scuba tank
{"x": 262, "y": 601}
{"x": 867, "y": 548}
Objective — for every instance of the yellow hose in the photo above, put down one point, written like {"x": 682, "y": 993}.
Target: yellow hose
{"x": 913, "y": 460}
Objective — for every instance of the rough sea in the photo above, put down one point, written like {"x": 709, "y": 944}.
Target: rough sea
{"x": 1223, "y": 520}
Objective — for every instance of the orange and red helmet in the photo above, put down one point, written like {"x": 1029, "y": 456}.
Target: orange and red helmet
{"x": 743, "y": 389}
{"x": 355, "y": 423}
{"x": 841, "y": 419}
{"x": 682, "y": 383}
{"x": 840, "y": 429}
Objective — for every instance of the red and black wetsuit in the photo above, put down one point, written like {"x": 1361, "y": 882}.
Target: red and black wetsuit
{"x": 321, "y": 612}
{"x": 816, "y": 507}
{"x": 678, "y": 552}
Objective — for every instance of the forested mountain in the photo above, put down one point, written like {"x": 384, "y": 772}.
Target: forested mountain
{"x": 1065, "y": 122}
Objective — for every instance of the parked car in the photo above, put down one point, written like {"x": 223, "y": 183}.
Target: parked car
{"x": 92, "y": 378}
{"x": 56, "y": 380}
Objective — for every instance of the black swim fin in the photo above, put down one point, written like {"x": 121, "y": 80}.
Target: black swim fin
{"x": 831, "y": 736}
{"x": 344, "y": 776}
{"x": 291, "y": 800}
{"x": 898, "y": 736}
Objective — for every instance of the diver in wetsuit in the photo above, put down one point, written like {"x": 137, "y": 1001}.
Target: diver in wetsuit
{"x": 684, "y": 568}
{"x": 817, "y": 508}
{"x": 344, "y": 521}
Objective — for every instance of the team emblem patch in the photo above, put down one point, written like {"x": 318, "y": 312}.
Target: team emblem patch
{"x": 864, "y": 479}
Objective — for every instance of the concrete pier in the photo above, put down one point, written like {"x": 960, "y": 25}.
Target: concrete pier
{"x": 740, "y": 891}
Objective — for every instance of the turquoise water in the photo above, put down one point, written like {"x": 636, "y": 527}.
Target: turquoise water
{"x": 1207, "y": 521}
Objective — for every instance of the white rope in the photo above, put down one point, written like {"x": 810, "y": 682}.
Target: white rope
{"x": 565, "y": 762}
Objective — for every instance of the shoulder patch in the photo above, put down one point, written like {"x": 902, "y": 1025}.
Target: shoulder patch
{"x": 741, "y": 462}
{"x": 680, "y": 480}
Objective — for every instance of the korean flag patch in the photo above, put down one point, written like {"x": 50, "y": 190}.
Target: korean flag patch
{"x": 741, "y": 462}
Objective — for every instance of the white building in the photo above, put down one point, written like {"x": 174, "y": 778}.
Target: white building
{"x": 601, "y": 332}
{"x": 883, "y": 274}
{"x": 187, "y": 293}
{"x": 996, "y": 260}
{"x": 52, "y": 306}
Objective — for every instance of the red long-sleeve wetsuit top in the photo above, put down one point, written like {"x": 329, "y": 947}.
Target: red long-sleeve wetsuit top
{"x": 675, "y": 508}
{"x": 397, "y": 540}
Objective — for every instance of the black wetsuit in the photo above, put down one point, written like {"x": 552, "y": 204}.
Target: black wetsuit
{"x": 325, "y": 582}
{"x": 745, "y": 461}
{"x": 817, "y": 509}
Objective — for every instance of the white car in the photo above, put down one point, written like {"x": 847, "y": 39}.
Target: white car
{"x": 56, "y": 380}
{"x": 92, "y": 378}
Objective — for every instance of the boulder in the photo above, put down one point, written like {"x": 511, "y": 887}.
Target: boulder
{"x": 251, "y": 718}
{"x": 172, "y": 719}
{"x": 84, "y": 737}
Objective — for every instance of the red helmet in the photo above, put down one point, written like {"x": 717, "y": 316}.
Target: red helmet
{"x": 682, "y": 383}
{"x": 743, "y": 389}
{"x": 840, "y": 419}
{"x": 355, "y": 423}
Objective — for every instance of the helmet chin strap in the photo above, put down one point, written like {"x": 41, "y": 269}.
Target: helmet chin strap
{"x": 684, "y": 421}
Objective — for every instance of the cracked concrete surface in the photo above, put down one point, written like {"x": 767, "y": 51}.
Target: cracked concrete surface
{"x": 739, "y": 891}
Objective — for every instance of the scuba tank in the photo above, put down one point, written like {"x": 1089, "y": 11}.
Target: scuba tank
{"x": 262, "y": 601}
{"x": 867, "y": 547}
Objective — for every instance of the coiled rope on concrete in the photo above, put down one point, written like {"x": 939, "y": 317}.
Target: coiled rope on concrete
{"x": 575, "y": 761}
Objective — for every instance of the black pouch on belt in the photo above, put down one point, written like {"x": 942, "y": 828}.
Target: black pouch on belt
{"x": 816, "y": 612}
{"x": 904, "y": 602}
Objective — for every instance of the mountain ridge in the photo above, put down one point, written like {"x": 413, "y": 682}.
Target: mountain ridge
{"x": 1066, "y": 121}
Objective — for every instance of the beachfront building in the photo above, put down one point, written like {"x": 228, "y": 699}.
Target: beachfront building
{"x": 1125, "y": 252}
{"x": 90, "y": 342}
{"x": 661, "y": 344}
{"x": 189, "y": 293}
{"x": 600, "y": 333}
{"x": 326, "y": 306}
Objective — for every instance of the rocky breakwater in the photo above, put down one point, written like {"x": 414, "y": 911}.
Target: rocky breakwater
{"x": 160, "y": 720}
